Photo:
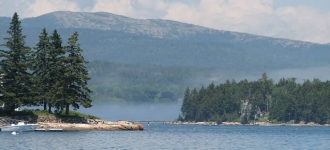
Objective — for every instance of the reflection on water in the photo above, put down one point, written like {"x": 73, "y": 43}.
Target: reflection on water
{"x": 159, "y": 136}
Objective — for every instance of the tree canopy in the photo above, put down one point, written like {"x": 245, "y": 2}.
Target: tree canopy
{"x": 15, "y": 67}
{"x": 50, "y": 74}
{"x": 281, "y": 102}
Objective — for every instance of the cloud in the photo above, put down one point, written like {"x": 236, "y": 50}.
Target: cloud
{"x": 33, "y": 8}
{"x": 121, "y": 7}
{"x": 256, "y": 17}
{"x": 40, "y": 7}
{"x": 234, "y": 15}
{"x": 303, "y": 23}
{"x": 329, "y": 18}
{"x": 143, "y": 9}
{"x": 9, "y": 7}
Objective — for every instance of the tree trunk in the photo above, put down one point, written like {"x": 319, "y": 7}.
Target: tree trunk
{"x": 12, "y": 109}
{"x": 49, "y": 108}
{"x": 45, "y": 105}
{"x": 67, "y": 110}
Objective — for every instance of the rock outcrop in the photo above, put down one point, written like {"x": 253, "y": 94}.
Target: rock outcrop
{"x": 47, "y": 122}
{"x": 99, "y": 126}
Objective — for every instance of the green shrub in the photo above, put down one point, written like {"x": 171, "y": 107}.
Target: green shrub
{"x": 244, "y": 120}
{"x": 76, "y": 114}
{"x": 37, "y": 112}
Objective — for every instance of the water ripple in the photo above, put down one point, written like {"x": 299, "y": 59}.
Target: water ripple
{"x": 158, "y": 136}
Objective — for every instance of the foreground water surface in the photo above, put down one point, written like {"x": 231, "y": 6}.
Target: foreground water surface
{"x": 159, "y": 136}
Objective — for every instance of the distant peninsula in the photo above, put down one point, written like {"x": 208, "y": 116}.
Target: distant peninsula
{"x": 248, "y": 102}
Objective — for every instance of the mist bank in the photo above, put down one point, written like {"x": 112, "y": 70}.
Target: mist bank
{"x": 301, "y": 74}
{"x": 218, "y": 76}
{"x": 138, "y": 112}
{"x": 127, "y": 83}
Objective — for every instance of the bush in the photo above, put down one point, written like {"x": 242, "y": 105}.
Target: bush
{"x": 244, "y": 120}
{"x": 216, "y": 118}
{"x": 76, "y": 114}
{"x": 37, "y": 112}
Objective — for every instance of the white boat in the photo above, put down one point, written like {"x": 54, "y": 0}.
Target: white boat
{"x": 20, "y": 126}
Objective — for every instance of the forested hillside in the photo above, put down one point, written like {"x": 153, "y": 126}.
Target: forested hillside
{"x": 121, "y": 39}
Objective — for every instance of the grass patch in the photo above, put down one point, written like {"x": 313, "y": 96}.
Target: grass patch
{"x": 264, "y": 119}
{"x": 75, "y": 114}
{"x": 37, "y": 112}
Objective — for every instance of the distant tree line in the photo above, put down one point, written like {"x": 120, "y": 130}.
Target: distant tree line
{"x": 281, "y": 102}
{"x": 50, "y": 74}
{"x": 140, "y": 83}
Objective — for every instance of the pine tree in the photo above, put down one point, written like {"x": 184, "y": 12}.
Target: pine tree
{"x": 266, "y": 85}
{"x": 185, "y": 104}
{"x": 56, "y": 68}
{"x": 16, "y": 65}
{"x": 41, "y": 67}
{"x": 75, "y": 77}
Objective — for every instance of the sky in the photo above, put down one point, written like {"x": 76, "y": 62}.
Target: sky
{"x": 305, "y": 20}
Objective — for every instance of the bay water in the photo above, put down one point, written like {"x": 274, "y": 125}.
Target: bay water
{"x": 160, "y": 136}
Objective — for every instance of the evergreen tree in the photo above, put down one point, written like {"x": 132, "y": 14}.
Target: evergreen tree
{"x": 185, "y": 104}
{"x": 16, "y": 65}
{"x": 290, "y": 101}
{"x": 75, "y": 77}
{"x": 41, "y": 65}
{"x": 56, "y": 56}
{"x": 266, "y": 86}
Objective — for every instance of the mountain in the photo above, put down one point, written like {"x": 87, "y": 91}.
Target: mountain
{"x": 111, "y": 22}
{"x": 120, "y": 39}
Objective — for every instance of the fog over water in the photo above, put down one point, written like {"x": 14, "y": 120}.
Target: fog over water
{"x": 140, "y": 112}
{"x": 322, "y": 73}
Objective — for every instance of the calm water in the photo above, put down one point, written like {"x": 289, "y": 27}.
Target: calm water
{"x": 159, "y": 136}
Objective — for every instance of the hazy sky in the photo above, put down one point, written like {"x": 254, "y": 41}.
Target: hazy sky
{"x": 306, "y": 20}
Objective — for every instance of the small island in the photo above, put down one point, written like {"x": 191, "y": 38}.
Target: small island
{"x": 74, "y": 122}
{"x": 52, "y": 75}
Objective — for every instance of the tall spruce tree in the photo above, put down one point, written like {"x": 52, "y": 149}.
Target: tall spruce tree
{"x": 15, "y": 64}
{"x": 266, "y": 85}
{"x": 56, "y": 69}
{"x": 185, "y": 104}
{"x": 75, "y": 77}
{"x": 41, "y": 64}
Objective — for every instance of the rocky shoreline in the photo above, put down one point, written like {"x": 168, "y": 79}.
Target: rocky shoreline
{"x": 48, "y": 123}
{"x": 250, "y": 124}
{"x": 98, "y": 125}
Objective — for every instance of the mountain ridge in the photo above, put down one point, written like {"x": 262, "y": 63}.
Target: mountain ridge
{"x": 108, "y": 21}
{"x": 121, "y": 39}
{"x": 148, "y": 26}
